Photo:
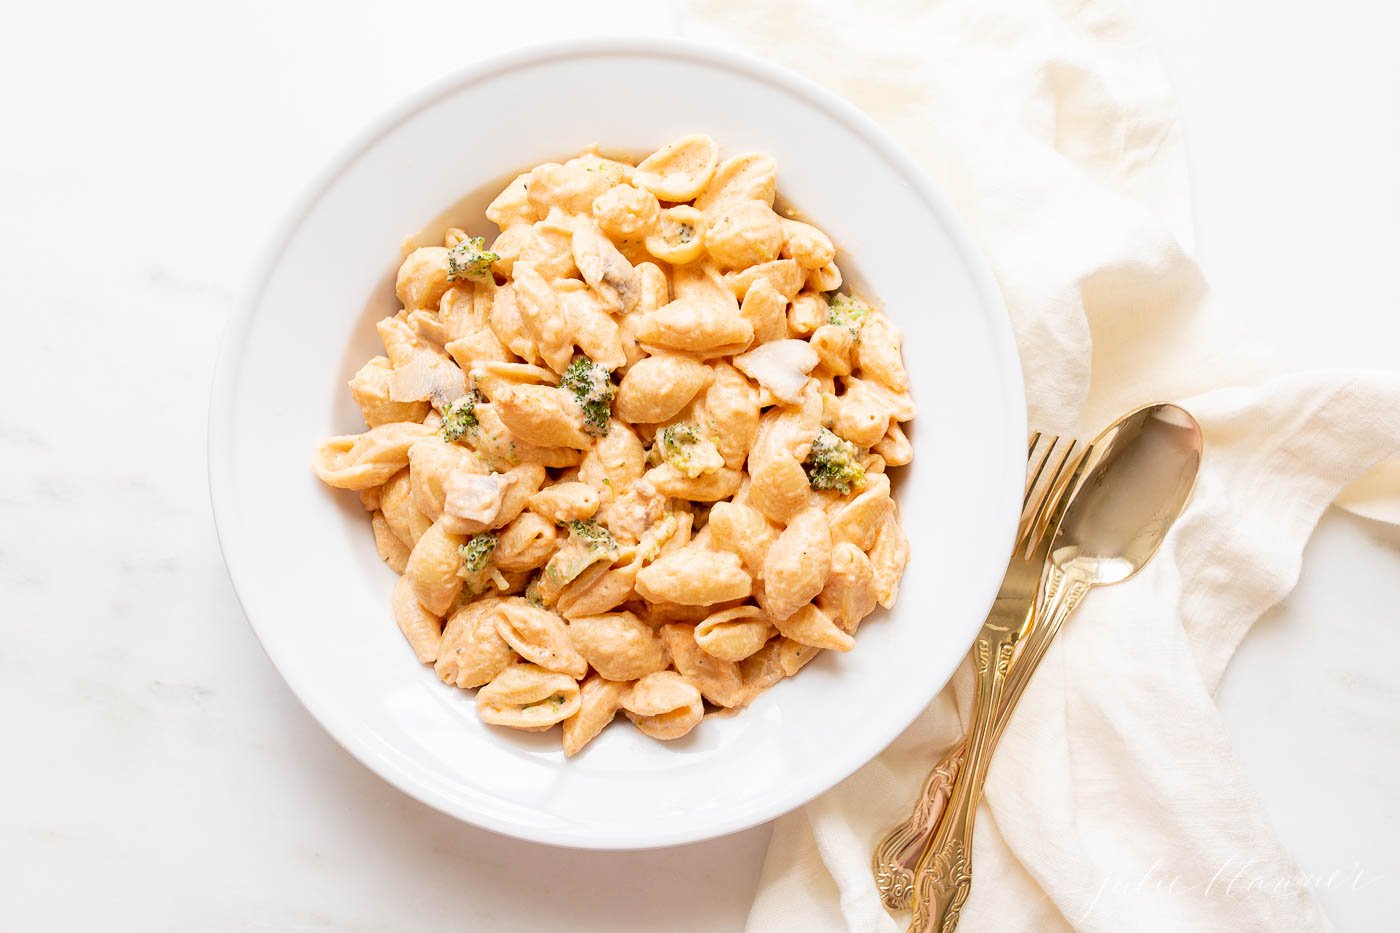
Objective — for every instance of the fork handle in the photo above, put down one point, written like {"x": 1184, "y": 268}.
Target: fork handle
{"x": 943, "y": 874}
{"x": 898, "y": 852}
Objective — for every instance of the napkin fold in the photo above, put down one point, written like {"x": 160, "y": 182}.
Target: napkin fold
{"x": 1116, "y": 801}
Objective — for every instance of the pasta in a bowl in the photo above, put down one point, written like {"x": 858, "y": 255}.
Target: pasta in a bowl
{"x": 630, "y": 453}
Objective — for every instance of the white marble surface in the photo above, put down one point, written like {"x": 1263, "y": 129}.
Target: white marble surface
{"x": 159, "y": 775}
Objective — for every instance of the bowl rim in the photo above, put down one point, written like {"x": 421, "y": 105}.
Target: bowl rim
{"x": 883, "y": 731}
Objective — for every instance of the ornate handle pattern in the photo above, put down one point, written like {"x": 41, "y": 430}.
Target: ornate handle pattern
{"x": 943, "y": 875}
{"x": 898, "y": 852}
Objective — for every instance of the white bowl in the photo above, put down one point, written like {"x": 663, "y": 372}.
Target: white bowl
{"x": 301, "y": 556}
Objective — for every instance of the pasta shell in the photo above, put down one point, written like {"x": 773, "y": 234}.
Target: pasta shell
{"x": 605, "y": 270}
{"x": 743, "y": 530}
{"x": 477, "y": 344}
{"x": 391, "y": 550}
{"x": 543, "y": 316}
{"x": 618, "y": 645}
{"x": 825, "y": 279}
{"x": 894, "y": 448}
{"x": 565, "y": 502}
{"x": 655, "y": 290}
{"x": 512, "y": 206}
{"x": 471, "y": 651}
{"x": 679, "y": 237}
{"x": 694, "y": 577}
{"x": 766, "y": 310}
{"x": 571, "y": 187}
{"x": 402, "y": 516}
{"x": 525, "y": 481}
{"x": 525, "y": 543}
{"x": 762, "y": 669}
{"x": 527, "y": 697}
{"x": 859, "y": 520}
{"x": 806, "y": 245}
{"x": 834, "y": 346}
{"x": 656, "y": 388}
{"x": 752, "y": 176}
{"x": 599, "y": 701}
{"x": 850, "y": 593}
{"x": 508, "y": 324}
{"x": 625, "y": 212}
{"x": 879, "y": 355}
{"x": 679, "y": 170}
{"x": 545, "y": 416}
{"x": 797, "y": 565}
{"x": 432, "y": 568}
{"x": 785, "y": 275}
{"x": 670, "y": 480}
{"x": 794, "y": 655}
{"x": 695, "y": 327}
{"x": 422, "y": 628}
{"x": 592, "y": 327}
{"x": 702, "y": 282}
{"x": 733, "y": 634}
{"x": 664, "y": 705}
{"x": 717, "y": 679}
{"x": 810, "y": 626}
{"x": 593, "y": 595}
{"x": 888, "y": 558}
{"x": 731, "y": 406}
{"x": 540, "y": 636}
{"x": 778, "y": 485}
{"x": 422, "y": 278}
{"x": 740, "y": 234}
{"x": 360, "y": 461}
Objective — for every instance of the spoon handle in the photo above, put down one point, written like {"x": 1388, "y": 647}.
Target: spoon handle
{"x": 898, "y": 852}
{"x": 1063, "y": 592}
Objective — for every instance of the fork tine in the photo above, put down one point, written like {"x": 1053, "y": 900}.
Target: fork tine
{"x": 1048, "y": 492}
{"x": 1058, "y": 494}
{"x": 1036, "y": 467}
{"x": 1048, "y": 495}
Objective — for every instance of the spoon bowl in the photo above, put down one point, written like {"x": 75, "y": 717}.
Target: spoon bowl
{"x": 1138, "y": 478}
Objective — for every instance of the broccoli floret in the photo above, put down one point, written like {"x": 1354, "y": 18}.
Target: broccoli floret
{"x": 476, "y": 553}
{"x": 532, "y": 592}
{"x": 593, "y": 390}
{"x": 845, "y": 311}
{"x": 592, "y": 534}
{"x": 459, "y": 418}
{"x": 676, "y": 440}
{"x": 470, "y": 259}
{"x": 834, "y": 463}
{"x": 684, "y": 447}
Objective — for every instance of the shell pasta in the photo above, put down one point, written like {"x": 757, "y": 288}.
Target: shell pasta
{"x": 629, "y": 455}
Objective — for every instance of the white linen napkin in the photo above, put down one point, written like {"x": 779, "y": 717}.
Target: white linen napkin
{"x": 1115, "y": 802}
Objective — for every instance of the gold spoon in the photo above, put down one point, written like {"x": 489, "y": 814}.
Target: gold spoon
{"x": 1137, "y": 477}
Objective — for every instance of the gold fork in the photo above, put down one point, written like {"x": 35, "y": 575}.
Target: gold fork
{"x": 930, "y": 858}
